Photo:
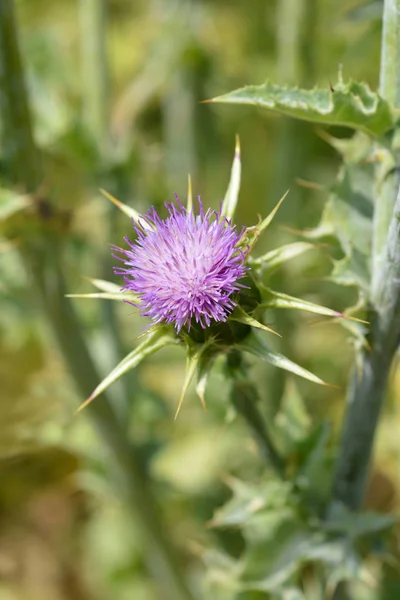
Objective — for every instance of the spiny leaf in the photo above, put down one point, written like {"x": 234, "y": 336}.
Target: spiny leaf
{"x": 232, "y": 194}
{"x": 101, "y": 296}
{"x": 154, "y": 341}
{"x": 105, "y": 286}
{"x": 127, "y": 210}
{"x": 203, "y": 371}
{"x": 192, "y": 360}
{"x": 109, "y": 291}
{"x": 358, "y": 525}
{"x": 253, "y": 233}
{"x": 241, "y": 316}
{"x": 254, "y": 345}
{"x": 351, "y": 105}
{"x": 248, "y": 499}
{"x": 353, "y": 269}
{"x": 189, "y": 203}
{"x": 274, "y": 258}
{"x": 277, "y": 300}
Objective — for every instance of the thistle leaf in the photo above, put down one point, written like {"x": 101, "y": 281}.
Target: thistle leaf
{"x": 189, "y": 203}
{"x": 253, "y": 233}
{"x": 154, "y": 341}
{"x": 100, "y": 296}
{"x": 193, "y": 357}
{"x": 278, "y": 300}
{"x": 203, "y": 371}
{"x": 232, "y": 193}
{"x": 351, "y": 105}
{"x": 274, "y": 258}
{"x": 108, "y": 291}
{"x": 353, "y": 269}
{"x": 241, "y": 316}
{"x": 254, "y": 345}
{"x": 127, "y": 210}
{"x": 105, "y": 286}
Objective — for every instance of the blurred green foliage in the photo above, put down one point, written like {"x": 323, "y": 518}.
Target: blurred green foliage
{"x": 64, "y": 531}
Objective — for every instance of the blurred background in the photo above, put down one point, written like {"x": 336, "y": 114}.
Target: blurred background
{"x": 115, "y": 90}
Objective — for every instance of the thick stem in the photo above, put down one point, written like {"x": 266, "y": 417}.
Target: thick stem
{"x": 389, "y": 81}
{"x": 367, "y": 389}
{"x": 364, "y": 399}
{"x": 386, "y": 185}
{"x": 244, "y": 398}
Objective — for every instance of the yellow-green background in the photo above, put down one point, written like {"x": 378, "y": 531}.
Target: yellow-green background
{"x": 65, "y": 532}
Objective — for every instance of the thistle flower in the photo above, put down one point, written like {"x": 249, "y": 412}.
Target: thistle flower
{"x": 184, "y": 267}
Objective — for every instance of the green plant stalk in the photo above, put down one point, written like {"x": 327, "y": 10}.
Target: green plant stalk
{"x": 42, "y": 258}
{"x": 95, "y": 73}
{"x": 289, "y": 20}
{"x": 386, "y": 184}
{"x": 22, "y": 162}
{"x": 244, "y": 396}
{"x": 96, "y": 118}
{"x": 369, "y": 383}
{"x": 160, "y": 557}
{"x": 179, "y": 126}
{"x": 295, "y": 33}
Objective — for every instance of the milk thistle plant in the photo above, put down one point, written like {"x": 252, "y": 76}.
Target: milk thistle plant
{"x": 199, "y": 283}
{"x": 194, "y": 274}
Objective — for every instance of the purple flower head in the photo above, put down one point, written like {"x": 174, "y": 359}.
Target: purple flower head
{"x": 184, "y": 267}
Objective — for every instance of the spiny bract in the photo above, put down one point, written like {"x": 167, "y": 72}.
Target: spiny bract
{"x": 185, "y": 267}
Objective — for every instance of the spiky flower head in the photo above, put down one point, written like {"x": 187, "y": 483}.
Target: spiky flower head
{"x": 187, "y": 273}
{"x": 185, "y": 268}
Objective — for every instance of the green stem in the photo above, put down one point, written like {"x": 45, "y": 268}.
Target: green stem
{"x": 244, "y": 397}
{"x": 95, "y": 77}
{"x": 368, "y": 386}
{"x": 389, "y": 82}
{"x": 179, "y": 127}
{"x": 289, "y": 21}
{"x": 95, "y": 101}
{"x": 162, "y": 561}
{"x": 386, "y": 185}
{"x": 42, "y": 257}
{"x": 21, "y": 158}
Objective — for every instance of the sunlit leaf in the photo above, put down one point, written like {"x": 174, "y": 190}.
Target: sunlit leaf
{"x": 194, "y": 354}
{"x": 277, "y": 300}
{"x": 232, "y": 194}
{"x": 153, "y": 342}
{"x": 101, "y": 296}
{"x": 241, "y": 316}
{"x": 295, "y": 548}
{"x": 274, "y": 258}
{"x": 203, "y": 371}
{"x": 253, "y": 233}
{"x": 105, "y": 286}
{"x": 248, "y": 499}
{"x": 127, "y": 210}
{"x": 353, "y": 269}
{"x": 109, "y": 291}
{"x": 348, "y": 212}
{"x": 357, "y": 525}
{"x": 351, "y": 105}
{"x": 254, "y": 345}
{"x": 189, "y": 202}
